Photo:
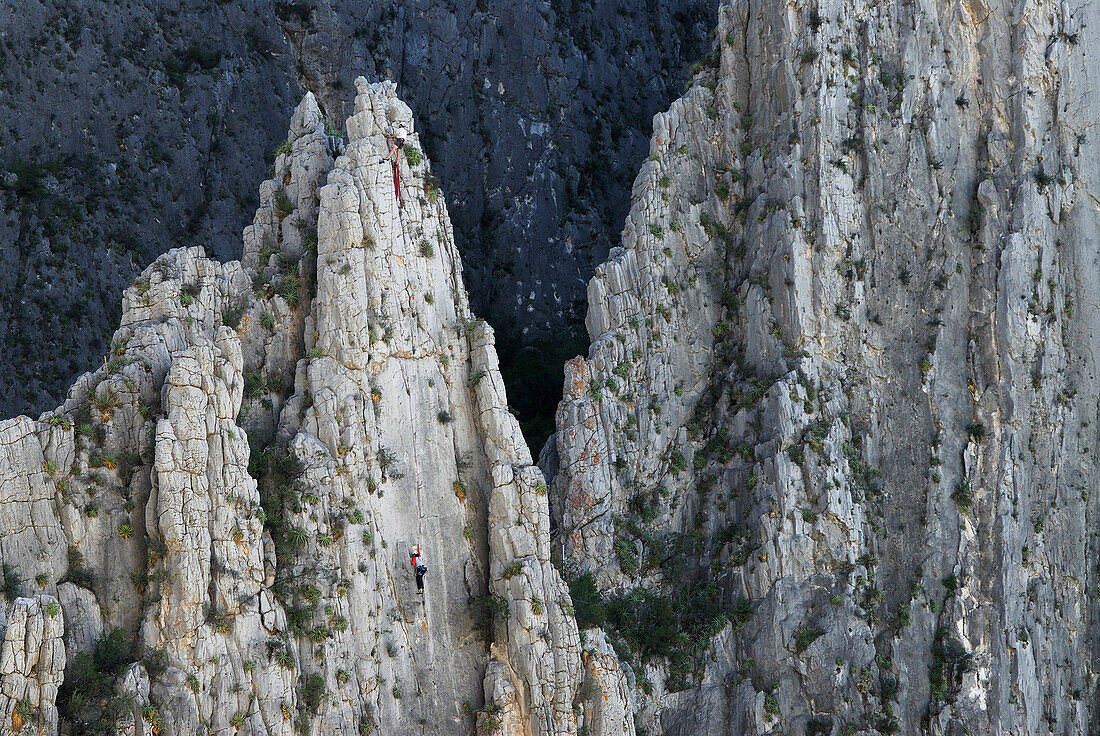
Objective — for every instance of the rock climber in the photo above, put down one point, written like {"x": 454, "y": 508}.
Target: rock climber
{"x": 419, "y": 568}
{"x": 397, "y": 141}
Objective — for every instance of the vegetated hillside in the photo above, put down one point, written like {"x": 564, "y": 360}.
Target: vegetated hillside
{"x": 130, "y": 129}
{"x": 828, "y": 466}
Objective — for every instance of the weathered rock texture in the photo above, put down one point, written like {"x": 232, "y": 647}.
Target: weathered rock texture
{"x": 32, "y": 664}
{"x": 127, "y": 130}
{"x": 838, "y": 417}
{"x": 237, "y": 491}
{"x": 826, "y": 469}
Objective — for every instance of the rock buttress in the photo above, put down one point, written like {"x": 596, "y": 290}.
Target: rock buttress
{"x": 225, "y": 510}
{"x": 870, "y": 470}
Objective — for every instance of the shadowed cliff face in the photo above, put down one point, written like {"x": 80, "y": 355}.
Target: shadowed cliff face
{"x": 828, "y": 466}
{"x": 130, "y": 130}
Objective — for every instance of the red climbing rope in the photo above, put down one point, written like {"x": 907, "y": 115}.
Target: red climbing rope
{"x": 396, "y": 182}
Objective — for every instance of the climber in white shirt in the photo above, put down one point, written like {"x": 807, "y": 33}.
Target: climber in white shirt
{"x": 397, "y": 141}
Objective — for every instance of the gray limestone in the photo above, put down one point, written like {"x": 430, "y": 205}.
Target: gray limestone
{"x": 826, "y": 468}
{"x": 853, "y": 388}
{"x": 240, "y": 485}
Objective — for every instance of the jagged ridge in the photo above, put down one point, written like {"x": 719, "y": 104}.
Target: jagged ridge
{"x": 238, "y": 488}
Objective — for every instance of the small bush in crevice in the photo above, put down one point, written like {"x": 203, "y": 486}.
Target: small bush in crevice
{"x": 232, "y": 314}
{"x": 963, "y": 496}
{"x": 412, "y": 154}
{"x": 489, "y": 610}
{"x": 277, "y": 472}
{"x": 950, "y": 661}
{"x": 79, "y": 573}
{"x": 283, "y": 205}
{"x": 805, "y": 636}
{"x": 313, "y": 689}
{"x": 587, "y": 602}
{"x": 156, "y": 662}
{"x": 90, "y": 700}
{"x": 12, "y": 582}
{"x": 771, "y": 706}
{"x": 288, "y": 289}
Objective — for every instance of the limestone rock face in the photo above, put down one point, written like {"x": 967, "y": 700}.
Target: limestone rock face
{"x": 32, "y": 664}
{"x": 826, "y": 468}
{"x": 400, "y": 441}
{"x": 83, "y": 620}
{"x": 238, "y": 491}
{"x": 837, "y": 418}
{"x": 607, "y": 692}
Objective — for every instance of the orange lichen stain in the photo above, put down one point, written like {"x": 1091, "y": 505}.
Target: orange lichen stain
{"x": 242, "y": 328}
{"x": 596, "y": 459}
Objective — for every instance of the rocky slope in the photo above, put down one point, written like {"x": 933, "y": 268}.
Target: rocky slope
{"x": 213, "y": 533}
{"x": 129, "y": 130}
{"x": 837, "y": 419}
